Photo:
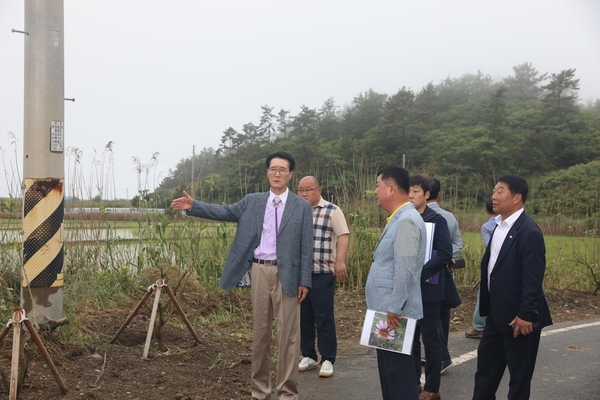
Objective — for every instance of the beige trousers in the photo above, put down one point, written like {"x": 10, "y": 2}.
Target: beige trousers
{"x": 270, "y": 301}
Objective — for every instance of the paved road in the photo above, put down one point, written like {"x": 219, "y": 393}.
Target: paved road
{"x": 568, "y": 367}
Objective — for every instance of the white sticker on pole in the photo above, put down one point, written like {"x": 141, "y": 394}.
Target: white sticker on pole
{"x": 57, "y": 137}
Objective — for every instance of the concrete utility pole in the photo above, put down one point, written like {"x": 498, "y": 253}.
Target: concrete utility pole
{"x": 43, "y": 160}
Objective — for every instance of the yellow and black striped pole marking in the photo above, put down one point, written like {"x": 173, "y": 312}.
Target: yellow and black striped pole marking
{"x": 43, "y": 244}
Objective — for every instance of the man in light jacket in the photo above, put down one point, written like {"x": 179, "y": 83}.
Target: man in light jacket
{"x": 394, "y": 282}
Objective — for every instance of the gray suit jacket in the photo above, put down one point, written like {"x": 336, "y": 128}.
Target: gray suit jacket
{"x": 294, "y": 241}
{"x": 457, "y": 241}
{"x": 394, "y": 282}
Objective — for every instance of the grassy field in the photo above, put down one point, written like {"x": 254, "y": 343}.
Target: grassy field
{"x": 201, "y": 246}
{"x": 565, "y": 261}
{"x": 101, "y": 266}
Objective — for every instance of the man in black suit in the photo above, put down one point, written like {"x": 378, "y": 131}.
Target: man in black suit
{"x": 512, "y": 298}
{"x": 433, "y": 279}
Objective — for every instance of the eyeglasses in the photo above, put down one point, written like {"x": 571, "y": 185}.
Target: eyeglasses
{"x": 300, "y": 191}
{"x": 274, "y": 170}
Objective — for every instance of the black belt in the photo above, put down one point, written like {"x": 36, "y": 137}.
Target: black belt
{"x": 266, "y": 262}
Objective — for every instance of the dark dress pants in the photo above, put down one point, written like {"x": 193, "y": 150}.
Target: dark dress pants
{"x": 316, "y": 311}
{"x": 496, "y": 351}
{"x": 429, "y": 328}
{"x": 444, "y": 332}
{"x": 397, "y": 376}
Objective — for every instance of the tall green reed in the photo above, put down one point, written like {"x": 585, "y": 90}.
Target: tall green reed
{"x": 363, "y": 239}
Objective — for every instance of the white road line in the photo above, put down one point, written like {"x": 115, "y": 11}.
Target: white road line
{"x": 464, "y": 358}
{"x": 570, "y": 328}
{"x": 473, "y": 354}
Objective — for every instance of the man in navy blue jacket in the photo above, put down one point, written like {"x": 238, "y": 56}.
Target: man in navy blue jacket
{"x": 432, "y": 292}
{"x": 512, "y": 273}
{"x": 457, "y": 245}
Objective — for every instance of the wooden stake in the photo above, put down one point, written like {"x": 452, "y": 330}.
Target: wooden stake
{"x": 133, "y": 314}
{"x": 159, "y": 284}
{"x": 181, "y": 314}
{"x": 16, "y": 351}
{"x": 18, "y": 318}
{"x": 40, "y": 345}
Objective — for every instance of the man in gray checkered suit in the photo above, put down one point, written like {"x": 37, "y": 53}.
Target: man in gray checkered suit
{"x": 274, "y": 239}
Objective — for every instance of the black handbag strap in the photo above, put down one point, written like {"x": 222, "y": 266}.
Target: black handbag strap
{"x": 430, "y": 217}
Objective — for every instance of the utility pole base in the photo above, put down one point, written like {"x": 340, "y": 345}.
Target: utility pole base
{"x": 42, "y": 304}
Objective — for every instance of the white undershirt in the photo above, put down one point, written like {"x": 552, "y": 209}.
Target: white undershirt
{"x": 498, "y": 239}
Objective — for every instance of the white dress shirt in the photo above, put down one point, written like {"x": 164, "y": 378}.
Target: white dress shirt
{"x": 498, "y": 239}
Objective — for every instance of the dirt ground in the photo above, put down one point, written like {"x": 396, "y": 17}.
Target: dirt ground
{"x": 216, "y": 368}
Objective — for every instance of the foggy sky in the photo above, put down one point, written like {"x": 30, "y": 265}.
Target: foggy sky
{"x": 156, "y": 76}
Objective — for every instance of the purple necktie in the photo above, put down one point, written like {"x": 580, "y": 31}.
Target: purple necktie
{"x": 276, "y": 202}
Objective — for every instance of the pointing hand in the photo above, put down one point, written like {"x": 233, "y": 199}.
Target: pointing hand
{"x": 182, "y": 203}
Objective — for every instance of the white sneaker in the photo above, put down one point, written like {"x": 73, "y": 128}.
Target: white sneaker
{"x": 307, "y": 363}
{"x": 326, "y": 369}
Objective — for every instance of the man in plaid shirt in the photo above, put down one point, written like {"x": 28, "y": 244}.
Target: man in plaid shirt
{"x": 316, "y": 311}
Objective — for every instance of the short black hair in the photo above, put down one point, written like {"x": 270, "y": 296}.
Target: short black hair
{"x": 397, "y": 174}
{"x": 434, "y": 193}
{"x": 420, "y": 180}
{"x": 285, "y": 156}
{"x": 516, "y": 185}
{"x": 489, "y": 206}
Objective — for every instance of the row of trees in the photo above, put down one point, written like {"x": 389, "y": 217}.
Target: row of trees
{"x": 467, "y": 130}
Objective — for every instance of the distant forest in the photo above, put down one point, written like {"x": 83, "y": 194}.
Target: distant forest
{"x": 466, "y": 131}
